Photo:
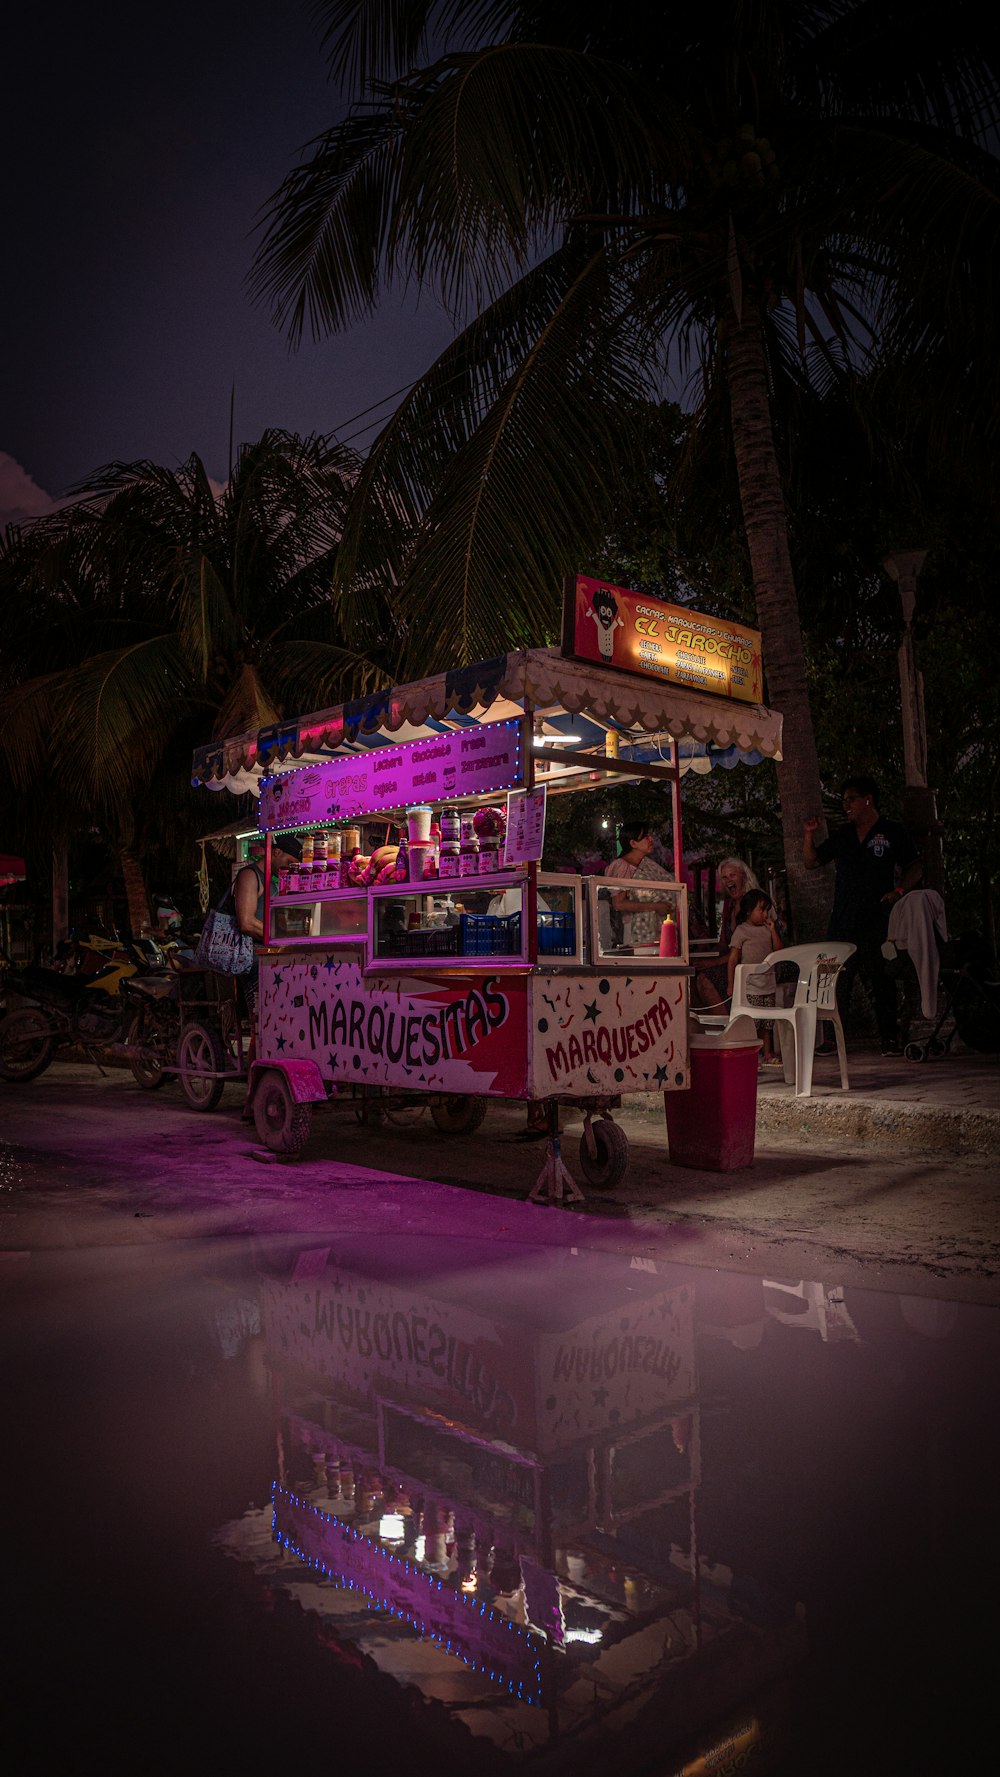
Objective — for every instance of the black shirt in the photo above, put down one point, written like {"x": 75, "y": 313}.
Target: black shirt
{"x": 866, "y": 870}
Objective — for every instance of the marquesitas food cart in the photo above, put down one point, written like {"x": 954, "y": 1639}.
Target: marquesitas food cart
{"x": 465, "y": 971}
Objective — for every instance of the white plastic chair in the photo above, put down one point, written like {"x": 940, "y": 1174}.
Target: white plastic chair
{"x": 815, "y": 999}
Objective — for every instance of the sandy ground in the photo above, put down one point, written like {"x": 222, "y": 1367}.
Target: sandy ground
{"x": 86, "y": 1160}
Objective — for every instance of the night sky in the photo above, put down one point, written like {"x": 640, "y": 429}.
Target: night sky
{"x": 140, "y": 143}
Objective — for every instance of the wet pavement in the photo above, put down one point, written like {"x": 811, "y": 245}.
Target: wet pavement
{"x": 452, "y": 1483}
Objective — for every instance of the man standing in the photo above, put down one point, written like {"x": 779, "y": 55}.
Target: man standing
{"x": 876, "y": 863}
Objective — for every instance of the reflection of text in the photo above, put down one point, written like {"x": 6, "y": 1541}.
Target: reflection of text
{"x": 617, "y": 1357}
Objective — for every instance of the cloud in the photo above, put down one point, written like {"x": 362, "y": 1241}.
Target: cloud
{"x": 20, "y": 497}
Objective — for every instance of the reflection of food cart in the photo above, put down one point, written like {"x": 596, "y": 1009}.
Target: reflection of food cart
{"x": 499, "y": 981}
{"x": 491, "y": 1486}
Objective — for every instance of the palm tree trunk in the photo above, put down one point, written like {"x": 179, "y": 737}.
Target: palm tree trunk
{"x": 135, "y": 892}
{"x": 765, "y": 523}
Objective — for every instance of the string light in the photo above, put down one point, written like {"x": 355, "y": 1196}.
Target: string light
{"x": 284, "y": 1540}
{"x": 380, "y": 811}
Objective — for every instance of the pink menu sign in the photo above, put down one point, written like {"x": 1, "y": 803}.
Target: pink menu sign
{"x": 463, "y": 762}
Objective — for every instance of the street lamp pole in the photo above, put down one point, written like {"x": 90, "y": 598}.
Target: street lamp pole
{"x": 919, "y": 800}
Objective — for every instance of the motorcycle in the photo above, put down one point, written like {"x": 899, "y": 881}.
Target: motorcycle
{"x": 122, "y": 1009}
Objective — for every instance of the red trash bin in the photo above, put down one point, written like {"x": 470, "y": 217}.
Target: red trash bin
{"x": 714, "y": 1124}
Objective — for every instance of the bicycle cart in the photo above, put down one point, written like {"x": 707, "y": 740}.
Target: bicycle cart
{"x": 213, "y": 1038}
{"x": 469, "y": 972}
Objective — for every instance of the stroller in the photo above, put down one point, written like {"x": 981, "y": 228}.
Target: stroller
{"x": 971, "y": 992}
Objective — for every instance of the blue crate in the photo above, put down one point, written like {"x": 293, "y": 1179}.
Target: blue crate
{"x": 487, "y": 934}
{"x": 557, "y": 934}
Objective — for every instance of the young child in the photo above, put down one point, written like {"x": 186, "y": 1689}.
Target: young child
{"x": 753, "y": 938}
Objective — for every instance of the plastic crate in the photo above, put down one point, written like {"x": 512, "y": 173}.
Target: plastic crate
{"x": 557, "y": 934}
{"x": 489, "y": 934}
{"x": 434, "y": 941}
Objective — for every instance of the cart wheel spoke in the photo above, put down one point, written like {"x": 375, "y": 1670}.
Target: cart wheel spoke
{"x": 200, "y": 1055}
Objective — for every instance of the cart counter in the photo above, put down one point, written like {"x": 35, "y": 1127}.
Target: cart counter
{"x": 496, "y": 1028}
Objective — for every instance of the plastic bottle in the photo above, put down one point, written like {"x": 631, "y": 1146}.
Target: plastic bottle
{"x": 668, "y": 936}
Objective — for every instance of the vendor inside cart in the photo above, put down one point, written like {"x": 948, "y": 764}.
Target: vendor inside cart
{"x": 641, "y": 909}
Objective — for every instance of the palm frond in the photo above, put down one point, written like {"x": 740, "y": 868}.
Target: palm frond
{"x": 247, "y": 705}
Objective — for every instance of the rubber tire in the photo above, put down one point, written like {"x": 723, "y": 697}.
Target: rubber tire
{"x": 915, "y": 1052}
{"x": 282, "y": 1125}
{"x": 458, "y": 1114}
{"x": 148, "y": 1075}
{"x": 39, "y": 1056}
{"x": 200, "y": 1043}
{"x": 607, "y": 1168}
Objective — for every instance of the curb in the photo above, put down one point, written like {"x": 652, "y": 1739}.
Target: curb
{"x": 877, "y": 1123}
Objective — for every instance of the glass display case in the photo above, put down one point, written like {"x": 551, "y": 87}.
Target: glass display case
{"x": 626, "y": 921}
{"x": 298, "y": 918}
{"x": 459, "y": 920}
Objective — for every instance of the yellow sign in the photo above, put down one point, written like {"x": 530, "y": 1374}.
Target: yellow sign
{"x": 737, "y": 1753}
{"x": 636, "y": 634}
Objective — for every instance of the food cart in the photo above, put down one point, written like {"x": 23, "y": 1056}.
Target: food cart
{"x": 482, "y": 976}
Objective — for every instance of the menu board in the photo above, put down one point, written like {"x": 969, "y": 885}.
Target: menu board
{"x": 524, "y": 839}
{"x": 474, "y": 761}
{"x": 634, "y": 633}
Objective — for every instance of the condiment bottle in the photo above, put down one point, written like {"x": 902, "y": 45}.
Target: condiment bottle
{"x": 668, "y": 936}
{"x": 402, "y": 860}
{"x": 449, "y": 859}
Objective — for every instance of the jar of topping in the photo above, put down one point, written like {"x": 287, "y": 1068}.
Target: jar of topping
{"x": 450, "y": 825}
{"x": 468, "y": 855}
{"x": 350, "y": 845}
{"x": 319, "y": 861}
{"x": 489, "y": 854}
{"x": 448, "y": 863}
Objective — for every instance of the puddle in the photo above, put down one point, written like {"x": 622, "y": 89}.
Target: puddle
{"x": 457, "y": 1504}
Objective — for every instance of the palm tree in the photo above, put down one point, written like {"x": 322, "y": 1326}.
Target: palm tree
{"x": 605, "y": 195}
{"x": 158, "y": 611}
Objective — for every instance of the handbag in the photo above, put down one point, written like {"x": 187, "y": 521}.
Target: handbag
{"x": 222, "y": 947}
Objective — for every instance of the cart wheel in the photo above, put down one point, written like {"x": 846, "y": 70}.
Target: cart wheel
{"x": 605, "y": 1169}
{"x": 406, "y": 1115}
{"x": 27, "y": 1045}
{"x": 147, "y": 1074}
{"x": 199, "y": 1055}
{"x": 283, "y": 1125}
{"x": 915, "y": 1052}
{"x": 936, "y": 1048}
{"x": 457, "y": 1114}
